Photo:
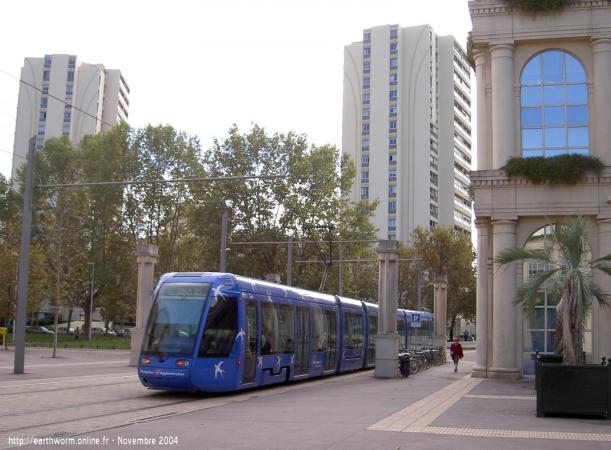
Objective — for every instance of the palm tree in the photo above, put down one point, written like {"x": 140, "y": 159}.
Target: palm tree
{"x": 570, "y": 273}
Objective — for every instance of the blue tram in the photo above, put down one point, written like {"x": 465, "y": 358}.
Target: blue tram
{"x": 217, "y": 332}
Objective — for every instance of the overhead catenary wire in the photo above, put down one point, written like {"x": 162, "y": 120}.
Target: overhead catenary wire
{"x": 304, "y": 242}
{"x": 21, "y": 80}
{"x": 13, "y": 154}
{"x": 161, "y": 181}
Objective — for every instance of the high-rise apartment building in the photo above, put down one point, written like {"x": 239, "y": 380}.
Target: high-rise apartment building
{"x": 407, "y": 126}
{"x": 102, "y": 93}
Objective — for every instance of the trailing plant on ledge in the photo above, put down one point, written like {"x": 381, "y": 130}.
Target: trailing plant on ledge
{"x": 563, "y": 169}
{"x": 538, "y": 6}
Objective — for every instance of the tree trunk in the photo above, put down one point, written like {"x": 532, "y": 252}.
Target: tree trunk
{"x": 69, "y": 320}
{"x": 571, "y": 328}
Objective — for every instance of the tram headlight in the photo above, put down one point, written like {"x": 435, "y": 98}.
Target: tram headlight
{"x": 145, "y": 361}
{"x": 182, "y": 363}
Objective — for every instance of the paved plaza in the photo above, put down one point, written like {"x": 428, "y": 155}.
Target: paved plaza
{"x": 93, "y": 399}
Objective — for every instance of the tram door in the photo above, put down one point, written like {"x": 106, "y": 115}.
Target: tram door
{"x": 303, "y": 338}
{"x": 251, "y": 339}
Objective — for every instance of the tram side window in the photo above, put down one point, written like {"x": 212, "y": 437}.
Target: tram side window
{"x": 318, "y": 330}
{"x": 276, "y": 328}
{"x": 353, "y": 334}
{"x": 401, "y": 327}
{"x": 221, "y": 327}
{"x": 331, "y": 326}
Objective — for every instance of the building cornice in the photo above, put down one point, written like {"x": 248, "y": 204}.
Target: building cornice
{"x": 498, "y": 196}
{"x": 500, "y": 178}
{"x": 480, "y": 8}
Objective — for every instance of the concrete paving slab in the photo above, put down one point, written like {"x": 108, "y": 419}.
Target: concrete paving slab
{"x": 112, "y": 410}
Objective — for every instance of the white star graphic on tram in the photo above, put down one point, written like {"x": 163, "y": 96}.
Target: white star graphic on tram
{"x": 278, "y": 360}
{"x": 260, "y": 361}
{"x": 241, "y": 334}
{"x": 218, "y": 371}
{"x": 292, "y": 359}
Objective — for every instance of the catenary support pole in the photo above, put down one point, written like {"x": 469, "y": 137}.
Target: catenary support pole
{"x": 223, "y": 265}
{"x": 24, "y": 257}
{"x": 289, "y": 263}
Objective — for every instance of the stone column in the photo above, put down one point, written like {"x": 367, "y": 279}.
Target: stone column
{"x": 503, "y": 110}
{"x": 504, "y": 316}
{"x": 484, "y": 154}
{"x": 601, "y": 317}
{"x": 387, "y": 339}
{"x": 601, "y": 119}
{"x": 480, "y": 369}
{"x": 147, "y": 256}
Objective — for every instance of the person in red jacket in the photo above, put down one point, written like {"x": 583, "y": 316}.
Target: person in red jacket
{"x": 456, "y": 353}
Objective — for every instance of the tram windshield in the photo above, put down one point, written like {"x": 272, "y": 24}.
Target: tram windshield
{"x": 174, "y": 319}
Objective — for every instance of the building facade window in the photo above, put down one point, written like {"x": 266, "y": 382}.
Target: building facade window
{"x": 41, "y": 129}
{"x": 392, "y": 125}
{"x": 367, "y": 36}
{"x": 366, "y": 82}
{"x": 394, "y": 109}
{"x": 67, "y": 116}
{"x": 366, "y": 67}
{"x": 40, "y": 142}
{"x": 554, "y": 111}
{"x": 393, "y": 94}
{"x": 392, "y": 142}
{"x": 392, "y": 223}
{"x": 69, "y": 89}
{"x": 392, "y": 159}
{"x": 72, "y": 62}
{"x": 365, "y": 144}
{"x": 392, "y": 191}
{"x": 393, "y": 47}
{"x": 42, "y": 116}
{"x": 70, "y": 75}
{"x": 364, "y": 176}
{"x": 394, "y": 63}
{"x": 434, "y": 211}
{"x": 45, "y": 88}
{"x": 392, "y": 175}
{"x": 392, "y": 207}
{"x": 365, "y": 160}
{"x": 366, "y": 51}
{"x": 393, "y": 33}
{"x": 365, "y": 192}
{"x": 393, "y": 78}
{"x": 365, "y": 128}
{"x": 43, "y": 101}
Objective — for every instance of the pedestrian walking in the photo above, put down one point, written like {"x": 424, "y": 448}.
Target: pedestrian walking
{"x": 456, "y": 353}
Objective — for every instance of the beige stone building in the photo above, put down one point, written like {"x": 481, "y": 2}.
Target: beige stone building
{"x": 51, "y": 86}
{"x": 543, "y": 88}
{"x": 407, "y": 126}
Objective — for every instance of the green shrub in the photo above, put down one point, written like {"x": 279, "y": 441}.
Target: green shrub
{"x": 538, "y": 6}
{"x": 563, "y": 169}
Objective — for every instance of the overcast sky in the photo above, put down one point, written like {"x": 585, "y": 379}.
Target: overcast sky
{"x": 202, "y": 65}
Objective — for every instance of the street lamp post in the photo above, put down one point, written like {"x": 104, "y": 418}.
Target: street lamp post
{"x": 92, "y": 264}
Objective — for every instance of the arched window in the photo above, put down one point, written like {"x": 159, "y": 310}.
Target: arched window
{"x": 554, "y": 105}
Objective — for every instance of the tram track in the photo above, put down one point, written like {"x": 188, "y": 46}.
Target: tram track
{"x": 4, "y": 394}
{"x": 95, "y": 416}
